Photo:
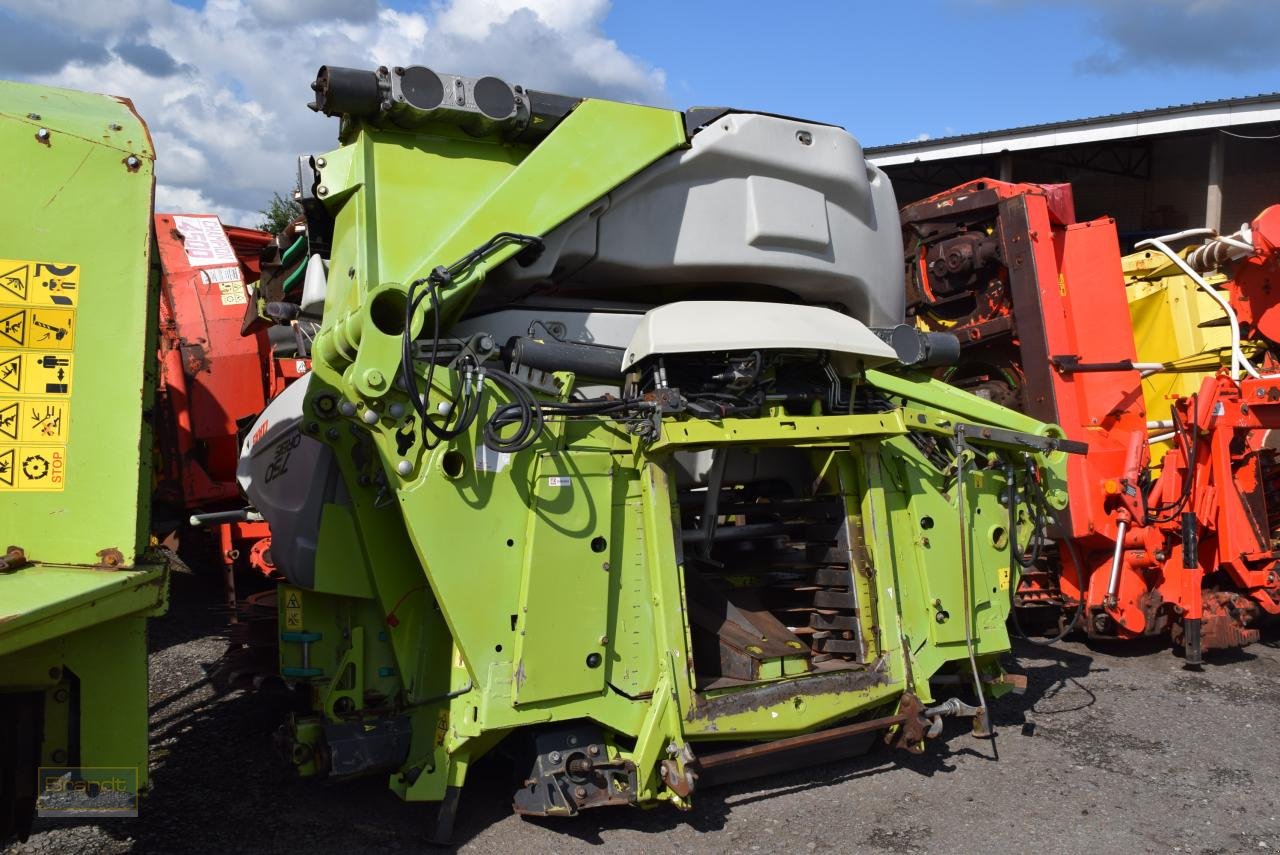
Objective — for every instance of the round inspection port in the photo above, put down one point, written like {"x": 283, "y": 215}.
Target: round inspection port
{"x": 387, "y": 312}
{"x": 599, "y": 544}
{"x": 926, "y": 523}
{"x": 999, "y": 537}
{"x": 453, "y": 465}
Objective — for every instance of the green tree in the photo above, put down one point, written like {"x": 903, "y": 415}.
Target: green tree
{"x": 278, "y": 213}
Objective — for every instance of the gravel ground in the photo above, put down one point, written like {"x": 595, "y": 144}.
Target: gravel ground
{"x": 1110, "y": 750}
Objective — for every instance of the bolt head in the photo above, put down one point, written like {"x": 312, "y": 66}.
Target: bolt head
{"x": 404, "y": 467}
{"x": 320, "y": 162}
{"x": 132, "y": 162}
{"x": 555, "y": 757}
{"x": 347, "y": 408}
{"x": 396, "y": 410}
{"x": 322, "y": 190}
{"x": 42, "y": 134}
{"x": 444, "y": 408}
{"x": 370, "y": 417}
{"x": 374, "y": 378}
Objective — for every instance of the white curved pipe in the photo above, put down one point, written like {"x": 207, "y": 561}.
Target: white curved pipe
{"x": 1238, "y": 361}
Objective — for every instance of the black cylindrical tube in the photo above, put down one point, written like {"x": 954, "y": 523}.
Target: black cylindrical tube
{"x": 346, "y": 91}
{"x": 586, "y": 360}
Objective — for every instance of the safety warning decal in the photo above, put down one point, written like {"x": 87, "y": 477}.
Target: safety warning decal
{"x": 32, "y": 327}
{"x": 32, "y": 467}
{"x": 34, "y": 421}
{"x": 233, "y": 293}
{"x": 38, "y": 301}
{"x": 35, "y": 372}
{"x": 39, "y": 283}
{"x": 292, "y": 609}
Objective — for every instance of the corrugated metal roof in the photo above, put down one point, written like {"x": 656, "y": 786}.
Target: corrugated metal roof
{"x": 1108, "y": 118}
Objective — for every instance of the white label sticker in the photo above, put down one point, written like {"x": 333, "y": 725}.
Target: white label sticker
{"x": 488, "y": 460}
{"x": 557, "y": 480}
{"x": 221, "y": 274}
{"x": 204, "y": 240}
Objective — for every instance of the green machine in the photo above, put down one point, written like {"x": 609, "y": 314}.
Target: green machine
{"x": 614, "y": 457}
{"x": 77, "y": 582}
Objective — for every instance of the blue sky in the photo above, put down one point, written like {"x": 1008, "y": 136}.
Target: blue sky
{"x": 223, "y": 83}
{"x": 889, "y": 72}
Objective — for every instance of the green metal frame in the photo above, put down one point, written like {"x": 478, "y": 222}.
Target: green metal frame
{"x": 472, "y": 599}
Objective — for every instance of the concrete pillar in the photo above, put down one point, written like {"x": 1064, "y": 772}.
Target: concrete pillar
{"x": 1006, "y": 166}
{"x": 1213, "y": 195}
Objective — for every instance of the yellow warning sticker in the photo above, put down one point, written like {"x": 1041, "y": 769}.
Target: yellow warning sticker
{"x": 39, "y": 283}
{"x": 233, "y": 293}
{"x": 49, "y": 329}
{"x": 33, "y": 468}
{"x": 34, "y": 421}
{"x": 43, "y": 373}
{"x": 292, "y": 609}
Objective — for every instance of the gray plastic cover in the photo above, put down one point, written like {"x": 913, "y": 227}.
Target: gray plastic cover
{"x": 289, "y": 477}
{"x": 757, "y": 201}
{"x": 698, "y": 326}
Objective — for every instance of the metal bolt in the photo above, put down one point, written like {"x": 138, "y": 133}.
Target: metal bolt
{"x": 313, "y": 427}
{"x": 374, "y": 378}
{"x": 114, "y": 127}
{"x": 555, "y": 757}
{"x": 347, "y": 408}
{"x": 331, "y": 433}
{"x": 605, "y": 566}
{"x": 1271, "y": 578}
{"x": 396, "y": 410}
{"x": 370, "y": 417}
{"x": 322, "y": 190}
{"x": 58, "y": 756}
{"x": 132, "y": 162}
{"x": 580, "y": 792}
{"x": 61, "y": 696}
{"x": 404, "y": 467}
{"x": 43, "y": 135}
{"x": 55, "y": 673}
{"x": 35, "y": 117}
{"x": 604, "y": 639}
{"x": 320, "y": 162}
{"x": 444, "y": 408}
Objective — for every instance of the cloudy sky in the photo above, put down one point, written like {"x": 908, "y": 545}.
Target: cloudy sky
{"x": 223, "y": 83}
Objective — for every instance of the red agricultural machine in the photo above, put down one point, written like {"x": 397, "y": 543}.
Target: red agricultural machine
{"x": 1185, "y": 547}
{"x": 224, "y": 354}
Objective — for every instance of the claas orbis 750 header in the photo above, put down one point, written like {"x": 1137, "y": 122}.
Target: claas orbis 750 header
{"x": 613, "y": 453}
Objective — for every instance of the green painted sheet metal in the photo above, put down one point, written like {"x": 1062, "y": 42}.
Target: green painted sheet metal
{"x": 77, "y": 182}
{"x": 42, "y": 602}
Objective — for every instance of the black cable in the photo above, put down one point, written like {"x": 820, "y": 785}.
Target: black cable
{"x": 465, "y": 405}
{"x": 1036, "y": 498}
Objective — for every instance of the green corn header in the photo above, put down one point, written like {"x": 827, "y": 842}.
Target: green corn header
{"x": 77, "y": 321}
{"x": 687, "y": 520}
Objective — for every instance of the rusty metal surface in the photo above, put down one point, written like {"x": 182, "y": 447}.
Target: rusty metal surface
{"x": 746, "y": 700}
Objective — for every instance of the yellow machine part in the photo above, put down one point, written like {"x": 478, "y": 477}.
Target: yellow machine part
{"x": 1174, "y": 321}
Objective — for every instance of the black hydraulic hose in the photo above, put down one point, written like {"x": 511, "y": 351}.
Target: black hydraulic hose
{"x": 1039, "y": 515}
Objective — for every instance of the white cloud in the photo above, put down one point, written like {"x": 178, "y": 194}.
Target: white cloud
{"x": 224, "y": 88}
